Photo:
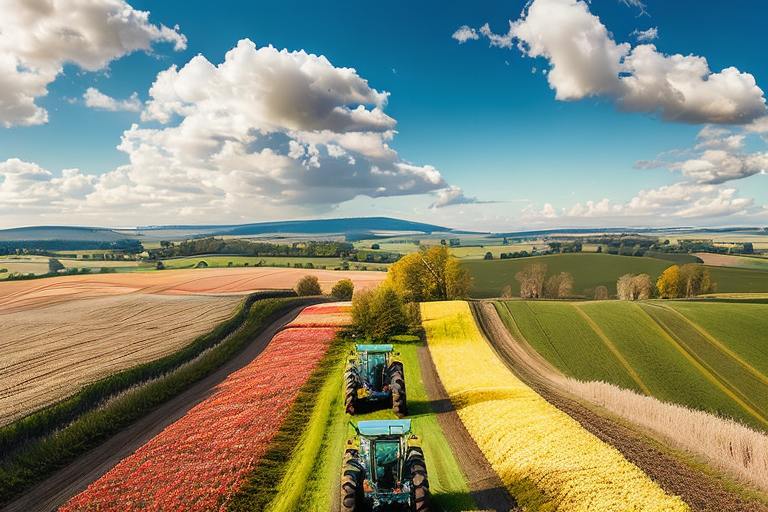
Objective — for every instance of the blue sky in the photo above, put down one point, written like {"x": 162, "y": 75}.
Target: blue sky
{"x": 479, "y": 115}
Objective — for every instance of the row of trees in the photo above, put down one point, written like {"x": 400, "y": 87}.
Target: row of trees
{"x": 674, "y": 283}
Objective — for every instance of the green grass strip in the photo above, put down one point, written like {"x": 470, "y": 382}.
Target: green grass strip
{"x": 44, "y": 456}
{"x": 294, "y": 446}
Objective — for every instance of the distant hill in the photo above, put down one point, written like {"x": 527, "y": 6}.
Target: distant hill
{"x": 46, "y": 233}
{"x": 351, "y": 228}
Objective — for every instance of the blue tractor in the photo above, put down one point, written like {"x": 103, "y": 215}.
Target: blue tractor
{"x": 374, "y": 374}
{"x": 384, "y": 469}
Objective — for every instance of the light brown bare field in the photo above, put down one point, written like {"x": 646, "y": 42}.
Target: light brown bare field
{"x": 51, "y": 352}
{"x": 62, "y": 333}
{"x": 20, "y": 295}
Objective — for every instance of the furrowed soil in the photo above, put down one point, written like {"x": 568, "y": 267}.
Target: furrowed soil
{"x": 50, "y": 353}
{"x": 18, "y": 295}
{"x": 74, "y": 478}
{"x": 701, "y": 491}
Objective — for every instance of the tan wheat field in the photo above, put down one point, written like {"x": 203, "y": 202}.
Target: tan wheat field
{"x": 50, "y": 352}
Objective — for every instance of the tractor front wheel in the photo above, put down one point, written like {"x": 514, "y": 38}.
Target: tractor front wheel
{"x": 397, "y": 386}
{"x": 350, "y": 393}
{"x": 421, "y": 498}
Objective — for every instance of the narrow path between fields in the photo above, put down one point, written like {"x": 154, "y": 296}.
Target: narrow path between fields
{"x": 702, "y": 492}
{"x": 486, "y": 487}
{"x": 76, "y": 477}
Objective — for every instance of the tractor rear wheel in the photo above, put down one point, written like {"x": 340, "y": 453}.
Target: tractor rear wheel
{"x": 352, "y": 483}
{"x": 418, "y": 471}
{"x": 397, "y": 386}
{"x": 350, "y": 392}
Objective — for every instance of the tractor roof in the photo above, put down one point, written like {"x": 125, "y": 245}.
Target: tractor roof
{"x": 383, "y": 427}
{"x": 374, "y": 348}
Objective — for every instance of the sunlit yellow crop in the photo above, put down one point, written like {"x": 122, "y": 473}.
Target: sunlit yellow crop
{"x": 546, "y": 459}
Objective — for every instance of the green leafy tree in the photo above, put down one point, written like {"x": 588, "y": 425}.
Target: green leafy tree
{"x": 379, "y": 313}
{"x": 343, "y": 290}
{"x": 307, "y": 286}
{"x": 428, "y": 275}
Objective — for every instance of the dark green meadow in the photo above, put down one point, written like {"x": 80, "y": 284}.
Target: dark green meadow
{"x": 590, "y": 270}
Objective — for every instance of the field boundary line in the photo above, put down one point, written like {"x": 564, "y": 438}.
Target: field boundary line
{"x": 612, "y": 347}
{"x": 710, "y": 373}
{"x": 717, "y": 343}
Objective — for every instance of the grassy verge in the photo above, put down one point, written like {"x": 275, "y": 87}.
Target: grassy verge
{"x": 303, "y": 472}
{"x": 40, "y": 457}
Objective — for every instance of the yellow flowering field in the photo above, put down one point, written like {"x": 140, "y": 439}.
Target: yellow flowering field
{"x": 545, "y": 458}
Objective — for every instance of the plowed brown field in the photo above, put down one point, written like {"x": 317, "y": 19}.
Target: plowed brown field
{"x": 50, "y": 352}
{"x": 213, "y": 281}
{"x": 65, "y": 332}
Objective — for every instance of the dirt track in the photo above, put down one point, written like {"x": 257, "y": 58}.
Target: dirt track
{"x": 702, "y": 492}
{"x": 485, "y": 485}
{"x": 74, "y": 478}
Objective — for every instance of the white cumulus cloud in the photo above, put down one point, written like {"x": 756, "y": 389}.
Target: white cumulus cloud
{"x": 264, "y": 134}
{"x": 38, "y": 37}
{"x": 586, "y": 61}
{"x": 646, "y": 35}
{"x": 464, "y": 34}
{"x": 450, "y": 196}
{"x": 98, "y": 100}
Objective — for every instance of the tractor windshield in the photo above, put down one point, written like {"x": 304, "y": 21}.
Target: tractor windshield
{"x": 374, "y": 365}
{"x": 385, "y": 461}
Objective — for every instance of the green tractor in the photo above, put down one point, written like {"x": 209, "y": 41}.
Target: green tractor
{"x": 384, "y": 469}
{"x": 374, "y": 375}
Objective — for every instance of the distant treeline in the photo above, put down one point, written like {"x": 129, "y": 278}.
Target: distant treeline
{"x": 240, "y": 247}
{"x": 48, "y": 247}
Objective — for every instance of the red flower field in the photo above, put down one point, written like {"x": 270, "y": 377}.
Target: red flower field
{"x": 199, "y": 461}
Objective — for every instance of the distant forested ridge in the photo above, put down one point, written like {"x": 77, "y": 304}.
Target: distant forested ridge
{"x": 46, "y": 247}
{"x": 212, "y": 245}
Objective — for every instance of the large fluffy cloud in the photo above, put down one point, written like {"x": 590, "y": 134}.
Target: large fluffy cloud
{"x": 265, "y": 133}
{"x": 718, "y": 157}
{"x": 37, "y": 37}
{"x": 586, "y": 61}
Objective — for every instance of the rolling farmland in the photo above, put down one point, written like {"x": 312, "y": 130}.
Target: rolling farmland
{"x": 663, "y": 347}
{"x": 547, "y": 460}
{"x": 201, "y": 460}
{"x": 51, "y": 352}
{"x": 18, "y": 295}
{"x": 591, "y": 270}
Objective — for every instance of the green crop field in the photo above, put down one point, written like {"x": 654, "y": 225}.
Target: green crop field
{"x": 590, "y": 270}
{"x": 319, "y": 454}
{"x": 683, "y": 351}
{"x": 561, "y": 334}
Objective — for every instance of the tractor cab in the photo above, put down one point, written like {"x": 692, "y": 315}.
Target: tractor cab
{"x": 374, "y": 374}
{"x": 384, "y": 468}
